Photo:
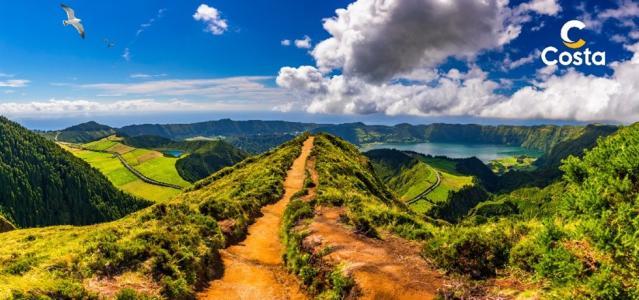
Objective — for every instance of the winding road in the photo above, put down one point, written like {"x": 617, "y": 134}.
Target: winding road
{"x": 429, "y": 189}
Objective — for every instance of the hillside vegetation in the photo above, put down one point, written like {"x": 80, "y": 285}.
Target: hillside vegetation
{"x": 200, "y": 158}
{"x": 121, "y": 177}
{"x": 576, "y": 237}
{"x": 166, "y": 250}
{"x": 152, "y": 164}
{"x": 43, "y": 185}
{"x": 83, "y": 133}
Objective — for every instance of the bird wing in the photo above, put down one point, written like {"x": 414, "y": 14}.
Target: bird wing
{"x": 78, "y": 26}
{"x": 69, "y": 11}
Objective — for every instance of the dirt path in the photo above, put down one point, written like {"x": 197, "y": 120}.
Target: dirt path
{"x": 254, "y": 268}
{"x": 390, "y": 268}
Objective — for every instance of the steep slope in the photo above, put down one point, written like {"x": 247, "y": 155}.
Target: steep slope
{"x": 206, "y": 157}
{"x": 44, "y": 185}
{"x": 5, "y": 225}
{"x": 407, "y": 176}
{"x": 84, "y": 133}
{"x": 167, "y": 250}
{"x": 574, "y": 239}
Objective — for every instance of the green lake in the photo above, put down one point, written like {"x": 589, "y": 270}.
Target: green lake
{"x": 485, "y": 152}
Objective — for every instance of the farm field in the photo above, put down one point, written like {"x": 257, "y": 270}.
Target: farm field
{"x": 122, "y": 178}
{"x": 451, "y": 181}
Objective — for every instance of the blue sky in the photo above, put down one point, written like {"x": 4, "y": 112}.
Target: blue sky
{"x": 416, "y": 60}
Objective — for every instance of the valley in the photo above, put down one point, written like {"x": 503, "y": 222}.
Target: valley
{"x": 316, "y": 217}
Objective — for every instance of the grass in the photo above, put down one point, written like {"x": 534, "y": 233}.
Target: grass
{"x": 449, "y": 183}
{"x": 150, "y": 163}
{"x": 173, "y": 244}
{"x": 509, "y": 163}
{"x": 413, "y": 181}
{"x": 122, "y": 178}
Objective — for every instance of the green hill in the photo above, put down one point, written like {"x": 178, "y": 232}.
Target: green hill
{"x": 576, "y": 237}
{"x": 199, "y": 159}
{"x": 84, "y": 133}
{"x": 43, "y": 185}
{"x": 206, "y": 157}
{"x": 167, "y": 250}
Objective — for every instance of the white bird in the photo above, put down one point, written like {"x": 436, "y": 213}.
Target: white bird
{"x": 72, "y": 20}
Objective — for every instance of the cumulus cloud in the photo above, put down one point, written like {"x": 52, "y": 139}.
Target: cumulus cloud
{"x": 215, "y": 24}
{"x": 378, "y": 40}
{"x": 572, "y": 95}
{"x": 303, "y": 43}
{"x": 285, "y": 43}
{"x": 544, "y": 7}
{"x": 14, "y": 83}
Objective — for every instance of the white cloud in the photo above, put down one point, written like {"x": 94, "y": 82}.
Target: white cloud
{"x": 304, "y": 43}
{"x": 378, "y": 40}
{"x": 150, "y": 22}
{"x": 55, "y": 107}
{"x": 618, "y": 38}
{"x": 127, "y": 54}
{"x": 14, "y": 83}
{"x": 544, "y": 7}
{"x": 623, "y": 15}
{"x": 215, "y": 24}
{"x": 509, "y": 64}
{"x": 5, "y": 75}
{"x": 242, "y": 89}
{"x": 146, "y": 76}
{"x": 285, "y": 43}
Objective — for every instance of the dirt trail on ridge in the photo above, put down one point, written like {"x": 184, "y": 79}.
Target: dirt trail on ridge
{"x": 254, "y": 268}
{"x": 387, "y": 268}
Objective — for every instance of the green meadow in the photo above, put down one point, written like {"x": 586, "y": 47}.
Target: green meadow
{"x": 122, "y": 178}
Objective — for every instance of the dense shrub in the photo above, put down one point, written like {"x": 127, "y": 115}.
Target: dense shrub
{"x": 473, "y": 251}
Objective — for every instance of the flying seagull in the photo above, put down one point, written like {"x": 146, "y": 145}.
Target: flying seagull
{"x": 72, "y": 20}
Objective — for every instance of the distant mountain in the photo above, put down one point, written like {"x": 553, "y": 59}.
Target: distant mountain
{"x": 541, "y": 137}
{"x": 42, "y": 184}
{"x": 224, "y": 127}
{"x": 84, "y": 133}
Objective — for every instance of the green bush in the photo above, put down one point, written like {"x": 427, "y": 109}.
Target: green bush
{"x": 469, "y": 251}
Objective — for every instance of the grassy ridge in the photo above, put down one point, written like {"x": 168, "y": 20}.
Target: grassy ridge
{"x": 172, "y": 245}
{"x": 346, "y": 178}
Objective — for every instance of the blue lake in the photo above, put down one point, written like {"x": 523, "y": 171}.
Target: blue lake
{"x": 485, "y": 152}
{"x": 174, "y": 153}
